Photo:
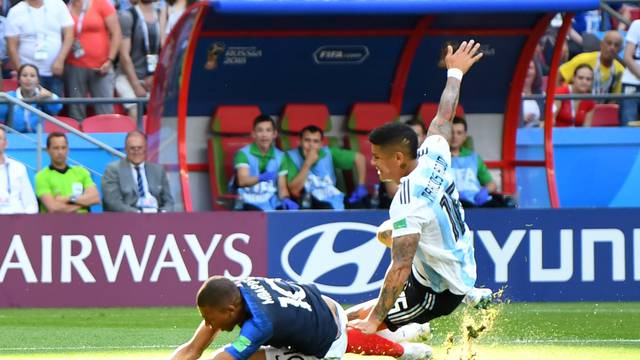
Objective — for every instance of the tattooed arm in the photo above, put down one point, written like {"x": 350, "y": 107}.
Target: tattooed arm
{"x": 463, "y": 58}
{"x": 402, "y": 253}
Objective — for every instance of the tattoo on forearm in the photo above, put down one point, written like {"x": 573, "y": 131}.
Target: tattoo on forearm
{"x": 403, "y": 251}
{"x": 441, "y": 125}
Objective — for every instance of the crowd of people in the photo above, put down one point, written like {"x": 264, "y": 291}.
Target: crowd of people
{"x": 128, "y": 185}
{"x": 598, "y": 58}
{"x": 85, "y": 48}
{"x": 97, "y": 48}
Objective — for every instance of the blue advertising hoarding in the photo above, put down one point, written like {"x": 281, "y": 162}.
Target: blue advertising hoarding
{"x": 535, "y": 255}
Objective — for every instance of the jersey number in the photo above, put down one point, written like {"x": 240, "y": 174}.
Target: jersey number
{"x": 296, "y": 299}
{"x": 452, "y": 208}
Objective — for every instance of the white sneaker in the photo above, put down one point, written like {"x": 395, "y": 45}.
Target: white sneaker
{"x": 477, "y": 297}
{"x": 409, "y": 332}
{"x": 416, "y": 351}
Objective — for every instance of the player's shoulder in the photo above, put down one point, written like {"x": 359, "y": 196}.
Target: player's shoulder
{"x": 434, "y": 143}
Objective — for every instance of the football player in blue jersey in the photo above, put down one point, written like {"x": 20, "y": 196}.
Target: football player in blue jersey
{"x": 278, "y": 319}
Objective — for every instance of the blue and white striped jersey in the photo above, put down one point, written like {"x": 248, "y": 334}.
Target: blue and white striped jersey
{"x": 427, "y": 204}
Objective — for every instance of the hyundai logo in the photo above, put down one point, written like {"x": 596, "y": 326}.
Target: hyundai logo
{"x": 322, "y": 258}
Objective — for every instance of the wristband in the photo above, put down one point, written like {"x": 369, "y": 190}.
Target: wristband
{"x": 455, "y": 73}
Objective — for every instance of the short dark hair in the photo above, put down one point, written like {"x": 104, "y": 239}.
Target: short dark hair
{"x": 56, "y": 134}
{"x": 263, "y": 118}
{"x": 217, "y": 292}
{"x": 417, "y": 122}
{"x": 460, "y": 120}
{"x": 312, "y": 129}
{"x": 396, "y": 133}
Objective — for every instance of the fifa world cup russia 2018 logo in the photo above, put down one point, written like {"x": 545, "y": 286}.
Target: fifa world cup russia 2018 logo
{"x": 213, "y": 54}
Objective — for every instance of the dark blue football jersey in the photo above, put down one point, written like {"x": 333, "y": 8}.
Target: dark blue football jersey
{"x": 283, "y": 314}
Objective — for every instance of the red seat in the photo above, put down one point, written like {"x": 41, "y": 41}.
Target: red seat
{"x": 298, "y": 116}
{"x": 108, "y": 123}
{"x": 364, "y": 118}
{"x": 9, "y": 84}
{"x": 50, "y": 127}
{"x": 428, "y": 111}
{"x": 606, "y": 115}
{"x": 231, "y": 128}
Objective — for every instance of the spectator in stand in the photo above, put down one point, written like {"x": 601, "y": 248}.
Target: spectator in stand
{"x": 631, "y": 75}
{"x": 63, "y": 188}
{"x": 89, "y": 68}
{"x": 581, "y": 33}
{"x": 576, "y": 112}
{"x": 261, "y": 173}
{"x": 29, "y": 89}
{"x": 420, "y": 128}
{"x": 40, "y": 32}
{"x": 139, "y": 51}
{"x": 532, "y": 109}
{"x": 311, "y": 172}
{"x": 16, "y": 193}
{"x": 170, "y": 14}
{"x": 607, "y": 69}
{"x": 472, "y": 178}
{"x": 134, "y": 185}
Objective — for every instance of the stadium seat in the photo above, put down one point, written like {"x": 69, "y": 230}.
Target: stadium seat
{"x": 9, "y": 84}
{"x": 364, "y": 118}
{"x": 298, "y": 116}
{"x": 606, "y": 115}
{"x": 231, "y": 129}
{"x": 428, "y": 111}
{"x": 108, "y": 123}
{"x": 50, "y": 127}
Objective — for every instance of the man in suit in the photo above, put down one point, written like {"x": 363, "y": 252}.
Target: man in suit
{"x": 133, "y": 185}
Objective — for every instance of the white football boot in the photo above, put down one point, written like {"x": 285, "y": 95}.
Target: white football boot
{"x": 409, "y": 332}
{"x": 478, "y": 297}
{"x": 416, "y": 351}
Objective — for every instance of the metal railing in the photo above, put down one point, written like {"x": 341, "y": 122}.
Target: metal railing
{"x": 583, "y": 96}
{"x": 140, "y": 103}
{"x": 4, "y": 98}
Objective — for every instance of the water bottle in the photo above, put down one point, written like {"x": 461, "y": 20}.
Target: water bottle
{"x": 306, "y": 200}
{"x": 375, "y": 197}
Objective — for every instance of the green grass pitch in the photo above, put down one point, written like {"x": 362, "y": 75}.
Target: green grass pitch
{"x": 521, "y": 331}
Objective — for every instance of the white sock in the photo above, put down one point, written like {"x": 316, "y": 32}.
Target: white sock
{"x": 409, "y": 332}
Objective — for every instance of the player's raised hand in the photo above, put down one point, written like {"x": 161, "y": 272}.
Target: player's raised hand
{"x": 464, "y": 57}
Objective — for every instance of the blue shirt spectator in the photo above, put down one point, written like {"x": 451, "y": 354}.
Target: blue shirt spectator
{"x": 29, "y": 88}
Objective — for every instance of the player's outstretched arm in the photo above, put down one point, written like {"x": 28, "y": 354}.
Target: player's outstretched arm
{"x": 193, "y": 349}
{"x": 402, "y": 253}
{"x": 458, "y": 63}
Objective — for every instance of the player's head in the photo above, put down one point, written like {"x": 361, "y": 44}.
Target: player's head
{"x": 264, "y": 131}
{"x": 458, "y": 132}
{"x": 220, "y": 303}
{"x": 393, "y": 147}
{"x": 311, "y": 138}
